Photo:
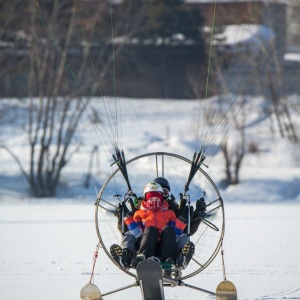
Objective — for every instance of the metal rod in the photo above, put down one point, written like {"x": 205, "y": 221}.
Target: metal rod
{"x": 211, "y": 225}
{"x": 123, "y": 227}
{"x": 181, "y": 283}
{"x": 120, "y": 289}
{"x": 111, "y": 211}
{"x": 189, "y": 216}
{"x": 107, "y": 202}
{"x": 208, "y": 204}
{"x": 198, "y": 289}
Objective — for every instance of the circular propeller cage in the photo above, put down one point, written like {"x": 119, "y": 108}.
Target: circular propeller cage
{"x": 175, "y": 168}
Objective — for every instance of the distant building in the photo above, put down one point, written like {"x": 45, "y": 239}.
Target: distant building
{"x": 252, "y": 37}
{"x": 242, "y": 29}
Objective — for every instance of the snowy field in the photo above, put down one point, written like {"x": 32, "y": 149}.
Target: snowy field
{"x": 47, "y": 250}
{"x": 47, "y": 245}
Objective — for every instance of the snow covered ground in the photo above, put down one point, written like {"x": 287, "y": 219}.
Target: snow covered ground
{"x": 47, "y": 249}
{"x": 47, "y": 245}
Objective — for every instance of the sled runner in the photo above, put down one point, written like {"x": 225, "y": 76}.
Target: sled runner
{"x": 150, "y": 278}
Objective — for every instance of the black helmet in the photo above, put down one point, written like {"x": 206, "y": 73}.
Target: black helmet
{"x": 163, "y": 182}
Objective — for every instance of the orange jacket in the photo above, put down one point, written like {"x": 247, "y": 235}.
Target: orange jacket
{"x": 144, "y": 218}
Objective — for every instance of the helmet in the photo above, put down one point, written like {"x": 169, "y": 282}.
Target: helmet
{"x": 163, "y": 182}
{"x": 153, "y": 187}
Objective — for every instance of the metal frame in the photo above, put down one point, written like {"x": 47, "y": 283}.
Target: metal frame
{"x": 160, "y": 165}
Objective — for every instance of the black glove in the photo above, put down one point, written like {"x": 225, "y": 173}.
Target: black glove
{"x": 200, "y": 209}
{"x": 184, "y": 217}
{"x": 119, "y": 208}
{"x": 129, "y": 214}
{"x": 182, "y": 203}
{"x": 118, "y": 214}
{"x": 171, "y": 198}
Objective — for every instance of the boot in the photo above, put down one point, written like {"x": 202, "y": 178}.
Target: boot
{"x": 127, "y": 257}
{"x": 186, "y": 254}
{"x": 116, "y": 252}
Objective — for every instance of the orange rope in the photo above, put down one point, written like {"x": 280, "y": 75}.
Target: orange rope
{"x": 94, "y": 261}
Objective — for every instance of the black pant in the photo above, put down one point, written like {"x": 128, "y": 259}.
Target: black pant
{"x": 164, "y": 248}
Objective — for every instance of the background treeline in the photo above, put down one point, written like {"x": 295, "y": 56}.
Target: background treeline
{"x": 134, "y": 49}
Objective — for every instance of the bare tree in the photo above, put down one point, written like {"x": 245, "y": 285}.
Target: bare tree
{"x": 57, "y": 36}
{"x": 233, "y": 158}
{"x": 279, "y": 99}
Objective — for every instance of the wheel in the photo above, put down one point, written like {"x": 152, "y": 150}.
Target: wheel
{"x": 143, "y": 169}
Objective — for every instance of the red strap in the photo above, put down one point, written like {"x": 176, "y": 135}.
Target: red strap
{"x": 94, "y": 261}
